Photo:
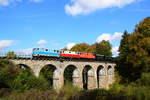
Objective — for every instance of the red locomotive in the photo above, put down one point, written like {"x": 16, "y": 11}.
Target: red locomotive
{"x": 73, "y": 54}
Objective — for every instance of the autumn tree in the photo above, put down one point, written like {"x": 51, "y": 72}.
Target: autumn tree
{"x": 81, "y": 47}
{"x": 135, "y": 52}
{"x": 103, "y": 48}
{"x": 91, "y": 48}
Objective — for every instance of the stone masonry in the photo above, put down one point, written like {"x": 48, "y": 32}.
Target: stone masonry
{"x": 96, "y": 78}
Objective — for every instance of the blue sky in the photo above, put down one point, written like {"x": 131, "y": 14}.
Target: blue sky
{"x": 25, "y": 24}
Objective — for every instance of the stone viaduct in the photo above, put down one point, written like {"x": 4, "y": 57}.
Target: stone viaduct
{"x": 99, "y": 74}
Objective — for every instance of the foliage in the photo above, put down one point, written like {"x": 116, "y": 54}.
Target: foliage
{"x": 47, "y": 73}
{"x": 81, "y": 47}
{"x": 33, "y": 94}
{"x": 27, "y": 81}
{"x": 134, "y": 57}
{"x": 8, "y": 73}
{"x": 144, "y": 80}
{"x": 103, "y": 48}
{"x": 91, "y": 48}
{"x": 68, "y": 90}
{"x": 5, "y": 79}
{"x": 11, "y": 54}
{"x": 20, "y": 79}
{"x": 68, "y": 73}
{"x": 123, "y": 66}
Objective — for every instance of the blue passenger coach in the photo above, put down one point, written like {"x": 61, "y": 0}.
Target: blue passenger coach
{"x": 41, "y": 52}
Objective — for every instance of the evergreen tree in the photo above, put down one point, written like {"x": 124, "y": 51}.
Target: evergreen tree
{"x": 123, "y": 66}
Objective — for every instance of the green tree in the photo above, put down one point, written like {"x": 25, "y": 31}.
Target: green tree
{"x": 11, "y": 54}
{"x": 8, "y": 73}
{"x": 123, "y": 66}
{"x": 103, "y": 48}
{"x": 81, "y": 47}
{"x": 135, "y": 52}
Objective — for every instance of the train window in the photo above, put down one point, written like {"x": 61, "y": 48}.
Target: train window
{"x": 37, "y": 48}
{"x": 54, "y": 50}
{"x": 69, "y": 52}
{"x": 46, "y": 50}
{"x": 57, "y": 51}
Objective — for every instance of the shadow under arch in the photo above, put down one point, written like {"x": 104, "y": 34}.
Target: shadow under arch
{"x": 49, "y": 72}
{"x": 87, "y": 76}
{"x": 71, "y": 75}
{"x": 100, "y": 75}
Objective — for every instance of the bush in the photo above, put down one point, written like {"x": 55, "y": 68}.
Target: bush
{"x": 5, "y": 92}
{"x": 25, "y": 81}
{"x": 6, "y": 79}
{"x": 67, "y": 90}
{"x": 144, "y": 80}
{"x": 34, "y": 94}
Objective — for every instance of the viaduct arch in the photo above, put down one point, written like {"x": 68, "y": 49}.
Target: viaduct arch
{"x": 87, "y": 75}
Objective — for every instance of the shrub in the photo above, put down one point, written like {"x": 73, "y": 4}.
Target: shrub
{"x": 34, "y": 94}
{"x": 144, "y": 80}
{"x": 6, "y": 79}
{"x": 67, "y": 90}
{"x": 25, "y": 81}
{"x": 5, "y": 92}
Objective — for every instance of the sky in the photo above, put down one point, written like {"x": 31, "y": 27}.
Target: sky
{"x": 55, "y": 24}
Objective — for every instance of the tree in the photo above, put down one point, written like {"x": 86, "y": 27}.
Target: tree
{"x": 81, "y": 47}
{"x": 135, "y": 52}
{"x": 123, "y": 66}
{"x": 91, "y": 48}
{"x": 11, "y": 54}
{"x": 103, "y": 48}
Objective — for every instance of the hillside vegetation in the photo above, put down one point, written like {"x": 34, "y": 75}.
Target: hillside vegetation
{"x": 132, "y": 73}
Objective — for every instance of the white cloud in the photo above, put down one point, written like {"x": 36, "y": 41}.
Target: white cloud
{"x": 70, "y": 45}
{"x": 7, "y": 2}
{"x": 87, "y": 6}
{"x": 36, "y": 1}
{"x": 116, "y": 35}
{"x": 42, "y": 42}
{"x": 109, "y": 37}
{"x": 6, "y": 43}
{"x": 115, "y": 51}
